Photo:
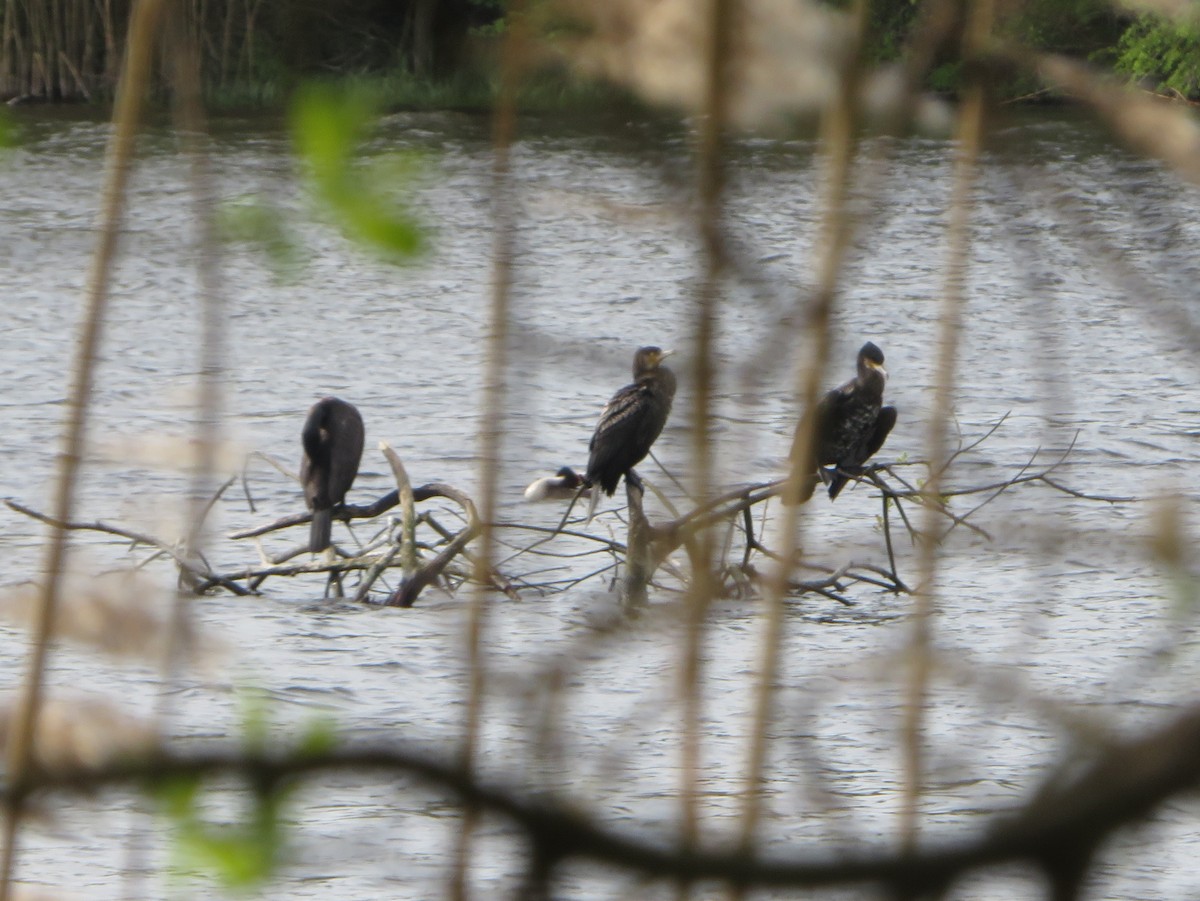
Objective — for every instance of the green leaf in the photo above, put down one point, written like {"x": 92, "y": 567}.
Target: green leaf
{"x": 366, "y": 201}
{"x": 240, "y": 855}
{"x": 327, "y": 124}
{"x": 320, "y": 737}
{"x": 255, "y": 727}
{"x": 253, "y": 221}
{"x": 177, "y": 795}
{"x": 239, "y": 858}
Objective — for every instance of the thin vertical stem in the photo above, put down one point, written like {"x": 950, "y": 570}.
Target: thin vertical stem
{"x": 143, "y": 29}
{"x": 192, "y": 125}
{"x": 711, "y": 177}
{"x": 840, "y": 151}
{"x": 970, "y": 140}
{"x": 492, "y": 421}
{"x": 182, "y": 40}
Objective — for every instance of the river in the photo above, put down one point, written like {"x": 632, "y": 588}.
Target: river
{"x": 1080, "y": 325}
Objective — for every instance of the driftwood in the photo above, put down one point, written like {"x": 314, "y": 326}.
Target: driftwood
{"x": 200, "y": 577}
{"x": 425, "y": 550}
{"x": 650, "y": 545}
{"x": 194, "y": 571}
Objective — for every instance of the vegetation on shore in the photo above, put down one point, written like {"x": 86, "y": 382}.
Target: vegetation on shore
{"x": 440, "y": 54}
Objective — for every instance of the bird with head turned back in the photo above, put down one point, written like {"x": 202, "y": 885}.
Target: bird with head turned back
{"x": 333, "y": 446}
{"x": 630, "y": 423}
{"x": 563, "y": 485}
{"x": 851, "y": 424}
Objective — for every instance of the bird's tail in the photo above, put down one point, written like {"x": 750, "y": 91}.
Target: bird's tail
{"x": 320, "y": 531}
{"x": 593, "y": 501}
{"x": 839, "y": 480}
{"x": 836, "y": 484}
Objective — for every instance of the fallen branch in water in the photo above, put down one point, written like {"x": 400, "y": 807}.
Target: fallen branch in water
{"x": 373, "y": 561}
{"x": 193, "y": 570}
{"x": 398, "y": 548}
{"x": 425, "y": 550}
{"x": 733, "y": 509}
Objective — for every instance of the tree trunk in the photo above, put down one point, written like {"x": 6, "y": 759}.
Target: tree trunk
{"x": 637, "y": 547}
{"x": 422, "y": 37}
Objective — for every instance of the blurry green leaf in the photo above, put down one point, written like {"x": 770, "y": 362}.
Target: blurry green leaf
{"x": 240, "y": 855}
{"x": 177, "y": 795}
{"x": 244, "y": 853}
{"x": 251, "y": 220}
{"x": 319, "y": 737}
{"x": 253, "y": 703}
{"x": 328, "y": 125}
{"x": 238, "y": 858}
{"x": 381, "y": 228}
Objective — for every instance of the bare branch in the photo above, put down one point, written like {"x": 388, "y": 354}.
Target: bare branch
{"x": 198, "y": 578}
{"x": 1077, "y": 808}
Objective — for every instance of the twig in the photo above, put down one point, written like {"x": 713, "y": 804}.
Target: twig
{"x": 200, "y": 577}
{"x": 408, "y": 521}
{"x": 271, "y": 461}
{"x": 345, "y": 512}
{"x": 406, "y": 594}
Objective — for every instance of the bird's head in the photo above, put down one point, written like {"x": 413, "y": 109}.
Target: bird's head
{"x": 870, "y": 359}
{"x": 567, "y": 477}
{"x": 647, "y": 359}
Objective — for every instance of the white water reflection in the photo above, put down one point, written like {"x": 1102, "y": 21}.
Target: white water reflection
{"x": 1067, "y": 335}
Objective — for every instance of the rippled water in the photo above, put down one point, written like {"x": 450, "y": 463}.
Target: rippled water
{"x": 1080, "y": 321}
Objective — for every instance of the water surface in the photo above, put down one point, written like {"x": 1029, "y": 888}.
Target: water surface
{"x": 1079, "y": 326}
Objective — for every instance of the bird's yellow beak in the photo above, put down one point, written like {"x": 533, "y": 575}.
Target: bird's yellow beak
{"x": 666, "y": 353}
{"x": 878, "y": 367}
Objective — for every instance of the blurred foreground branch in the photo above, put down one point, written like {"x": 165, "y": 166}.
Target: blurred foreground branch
{"x": 1078, "y": 806}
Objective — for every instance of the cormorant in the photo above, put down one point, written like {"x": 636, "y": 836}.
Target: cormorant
{"x": 333, "y": 445}
{"x": 563, "y": 485}
{"x": 630, "y": 422}
{"x": 851, "y": 425}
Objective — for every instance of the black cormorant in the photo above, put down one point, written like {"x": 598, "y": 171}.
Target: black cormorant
{"x": 333, "y": 446}
{"x": 630, "y": 422}
{"x": 563, "y": 485}
{"x": 851, "y": 425}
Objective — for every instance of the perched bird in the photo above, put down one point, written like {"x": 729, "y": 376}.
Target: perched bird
{"x": 563, "y": 485}
{"x": 851, "y": 425}
{"x": 630, "y": 423}
{"x": 333, "y": 446}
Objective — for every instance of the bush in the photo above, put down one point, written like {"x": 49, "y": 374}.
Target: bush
{"x": 1162, "y": 51}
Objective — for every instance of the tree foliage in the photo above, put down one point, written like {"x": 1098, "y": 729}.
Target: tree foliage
{"x": 1162, "y": 52}
{"x": 1080, "y": 28}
